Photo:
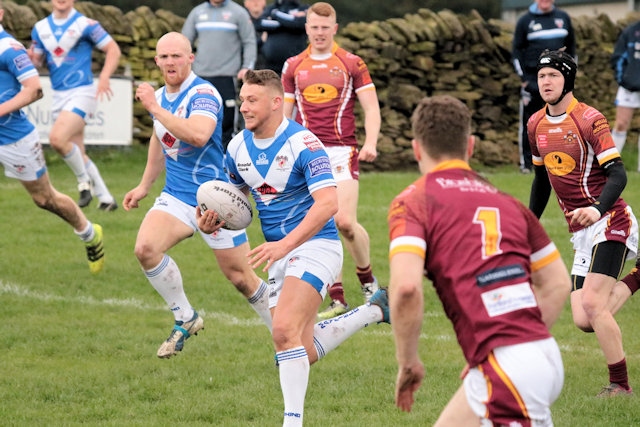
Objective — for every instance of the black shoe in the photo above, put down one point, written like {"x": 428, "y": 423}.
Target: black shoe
{"x": 108, "y": 207}
{"x": 85, "y": 194}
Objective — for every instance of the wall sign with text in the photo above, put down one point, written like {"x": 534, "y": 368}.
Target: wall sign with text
{"x": 112, "y": 124}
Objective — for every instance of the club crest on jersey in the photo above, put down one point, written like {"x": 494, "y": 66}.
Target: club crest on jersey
{"x": 282, "y": 162}
{"x": 570, "y": 137}
{"x": 559, "y": 23}
{"x": 262, "y": 159}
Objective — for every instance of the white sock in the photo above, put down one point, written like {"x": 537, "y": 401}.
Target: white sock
{"x": 87, "y": 234}
{"x": 330, "y": 333}
{"x": 259, "y": 301}
{"x": 76, "y": 163}
{"x": 293, "y": 365}
{"x": 99, "y": 187}
{"x": 167, "y": 281}
{"x": 619, "y": 138}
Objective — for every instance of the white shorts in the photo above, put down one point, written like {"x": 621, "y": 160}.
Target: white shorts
{"x": 516, "y": 383}
{"x": 221, "y": 239}
{"x": 80, "y": 100}
{"x": 344, "y": 162}
{"x": 317, "y": 262}
{"x": 584, "y": 240}
{"x": 24, "y": 159}
{"x": 626, "y": 98}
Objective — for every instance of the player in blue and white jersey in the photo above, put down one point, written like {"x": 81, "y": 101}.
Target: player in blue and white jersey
{"x": 288, "y": 172}
{"x": 64, "y": 41}
{"x": 20, "y": 150}
{"x": 186, "y": 142}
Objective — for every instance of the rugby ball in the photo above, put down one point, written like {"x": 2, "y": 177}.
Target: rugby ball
{"x": 231, "y": 204}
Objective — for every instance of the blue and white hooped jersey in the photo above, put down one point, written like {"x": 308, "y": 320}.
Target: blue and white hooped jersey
{"x": 68, "y": 47}
{"x": 282, "y": 172}
{"x": 15, "y": 67}
{"x": 188, "y": 166}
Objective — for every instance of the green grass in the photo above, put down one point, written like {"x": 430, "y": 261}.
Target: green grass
{"x": 79, "y": 349}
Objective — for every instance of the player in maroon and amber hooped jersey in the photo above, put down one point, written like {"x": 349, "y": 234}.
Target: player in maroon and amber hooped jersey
{"x": 574, "y": 153}
{"x": 323, "y": 83}
{"x": 502, "y": 284}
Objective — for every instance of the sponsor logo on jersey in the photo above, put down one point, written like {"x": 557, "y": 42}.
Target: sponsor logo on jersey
{"x": 266, "y": 189}
{"x": 466, "y": 185}
{"x": 559, "y": 163}
{"x": 542, "y": 140}
{"x": 319, "y": 166}
{"x": 600, "y": 125}
{"x": 312, "y": 142}
{"x": 242, "y": 167}
{"x": 500, "y": 274}
{"x": 22, "y": 61}
{"x": 262, "y": 159}
{"x": 168, "y": 139}
{"x": 320, "y": 93}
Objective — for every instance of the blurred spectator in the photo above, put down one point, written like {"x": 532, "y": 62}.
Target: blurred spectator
{"x": 256, "y": 9}
{"x": 283, "y": 21}
{"x": 224, "y": 39}
{"x": 626, "y": 63}
{"x": 543, "y": 27}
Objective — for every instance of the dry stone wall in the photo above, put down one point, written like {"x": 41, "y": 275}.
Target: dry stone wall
{"x": 420, "y": 54}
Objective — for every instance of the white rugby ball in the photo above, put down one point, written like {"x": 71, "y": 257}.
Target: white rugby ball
{"x": 231, "y": 204}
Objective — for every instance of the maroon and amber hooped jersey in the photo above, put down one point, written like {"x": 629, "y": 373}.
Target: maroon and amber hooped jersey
{"x": 480, "y": 247}
{"x": 573, "y": 148}
{"x": 324, "y": 91}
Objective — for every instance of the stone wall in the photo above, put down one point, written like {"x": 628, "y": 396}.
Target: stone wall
{"x": 421, "y": 54}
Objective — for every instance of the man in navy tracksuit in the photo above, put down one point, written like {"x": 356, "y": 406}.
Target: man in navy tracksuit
{"x": 284, "y": 22}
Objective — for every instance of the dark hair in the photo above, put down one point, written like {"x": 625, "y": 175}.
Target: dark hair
{"x": 442, "y": 125}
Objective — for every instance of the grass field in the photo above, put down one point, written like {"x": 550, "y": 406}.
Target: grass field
{"x": 78, "y": 349}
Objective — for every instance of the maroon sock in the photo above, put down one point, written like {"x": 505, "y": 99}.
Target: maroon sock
{"x": 618, "y": 374}
{"x": 336, "y": 292}
{"x": 632, "y": 280}
{"x": 365, "y": 275}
